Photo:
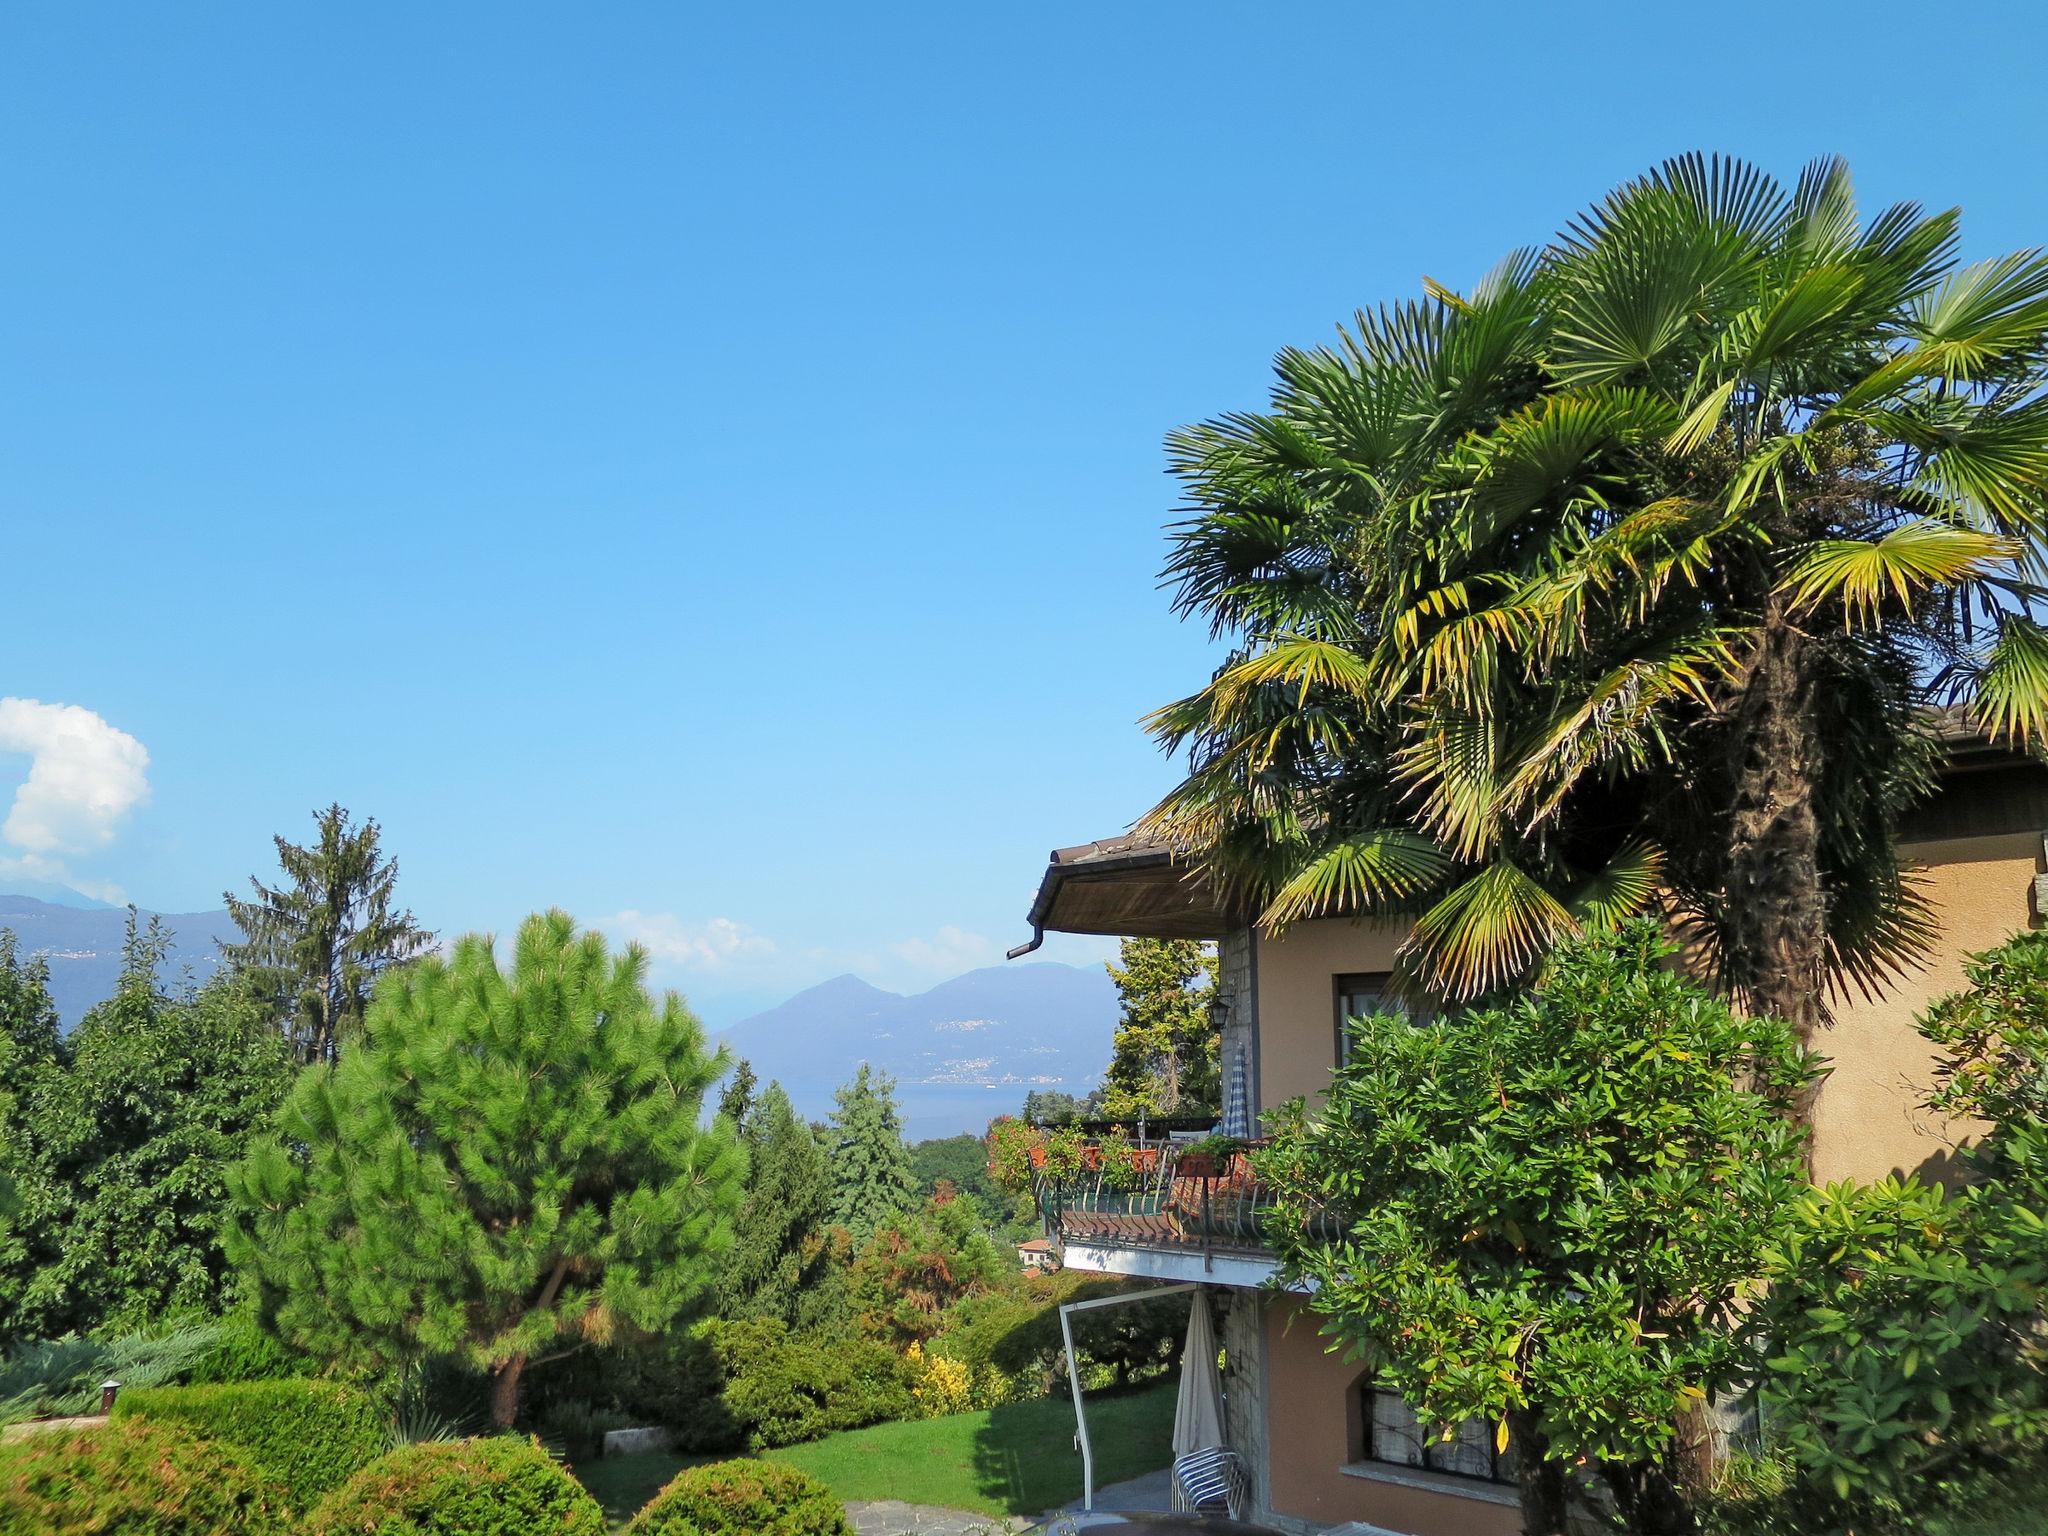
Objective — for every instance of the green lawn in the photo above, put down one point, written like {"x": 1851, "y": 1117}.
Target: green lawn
{"x": 1015, "y": 1460}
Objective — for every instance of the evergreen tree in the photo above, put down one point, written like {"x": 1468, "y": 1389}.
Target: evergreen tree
{"x": 121, "y": 1141}
{"x": 779, "y": 1265}
{"x": 872, "y": 1181}
{"x": 502, "y": 1163}
{"x": 317, "y": 943}
{"x": 1166, "y": 1047}
{"x": 736, "y": 1104}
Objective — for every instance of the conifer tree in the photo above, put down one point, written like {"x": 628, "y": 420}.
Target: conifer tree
{"x": 316, "y": 944}
{"x": 779, "y": 1264}
{"x": 504, "y": 1163}
{"x": 1166, "y": 1047}
{"x": 872, "y": 1180}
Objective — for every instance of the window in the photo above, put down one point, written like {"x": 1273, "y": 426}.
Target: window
{"x": 1393, "y": 1436}
{"x": 1368, "y": 992}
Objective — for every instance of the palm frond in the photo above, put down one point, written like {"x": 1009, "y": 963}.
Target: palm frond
{"x": 1486, "y": 932}
{"x": 1861, "y": 574}
{"x": 2012, "y": 688}
{"x": 1626, "y": 886}
{"x": 1377, "y": 871}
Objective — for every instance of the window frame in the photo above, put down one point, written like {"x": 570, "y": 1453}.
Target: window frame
{"x": 1501, "y": 1469}
{"x": 1346, "y": 984}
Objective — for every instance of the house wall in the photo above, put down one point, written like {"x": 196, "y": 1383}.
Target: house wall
{"x": 1313, "y": 1432}
{"x": 1867, "y": 1122}
{"x": 1298, "y": 1001}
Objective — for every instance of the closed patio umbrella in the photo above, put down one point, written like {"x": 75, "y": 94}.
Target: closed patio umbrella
{"x": 1198, "y": 1416}
{"x": 1237, "y": 1098}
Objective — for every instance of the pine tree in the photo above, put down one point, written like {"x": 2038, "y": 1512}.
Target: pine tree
{"x": 872, "y": 1180}
{"x": 779, "y": 1265}
{"x": 316, "y": 944}
{"x": 1166, "y": 1046}
{"x": 501, "y": 1163}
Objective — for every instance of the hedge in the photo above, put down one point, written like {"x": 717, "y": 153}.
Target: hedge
{"x": 503, "y": 1486}
{"x": 307, "y": 1436}
{"x": 133, "y": 1479}
{"x": 787, "y": 1388}
{"x": 743, "y": 1498}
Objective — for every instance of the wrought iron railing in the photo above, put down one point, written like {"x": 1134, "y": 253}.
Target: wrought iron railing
{"x": 1156, "y": 1191}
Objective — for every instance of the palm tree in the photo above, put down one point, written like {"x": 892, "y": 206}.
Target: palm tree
{"x": 1636, "y": 570}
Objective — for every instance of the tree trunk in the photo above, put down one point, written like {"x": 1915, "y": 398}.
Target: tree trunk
{"x": 505, "y": 1392}
{"x": 1538, "y": 1480}
{"x": 1775, "y": 907}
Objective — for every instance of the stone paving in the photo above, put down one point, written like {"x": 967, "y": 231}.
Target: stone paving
{"x": 889, "y": 1517}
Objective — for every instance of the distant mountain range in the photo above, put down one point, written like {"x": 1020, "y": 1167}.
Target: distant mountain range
{"x": 979, "y": 1041}
{"x": 81, "y": 939}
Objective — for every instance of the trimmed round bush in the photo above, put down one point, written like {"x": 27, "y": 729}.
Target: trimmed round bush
{"x": 502, "y": 1486}
{"x": 743, "y": 1498}
{"x": 307, "y": 1436}
{"x": 132, "y": 1479}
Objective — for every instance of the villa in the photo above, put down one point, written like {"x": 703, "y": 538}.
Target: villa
{"x": 1318, "y": 1446}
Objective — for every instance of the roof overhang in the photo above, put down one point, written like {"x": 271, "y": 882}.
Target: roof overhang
{"x": 1127, "y": 886}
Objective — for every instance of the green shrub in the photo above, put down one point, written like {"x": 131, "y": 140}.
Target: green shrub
{"x": 503, "y": 1486}
{"x": 244, "y": 1351}
{"x": 786, "y": 1388}
{"x": 63, "y": 1376}
{"x": 1911, "y": 1323}
{"x": 743, "y": 1498}
{"x": 132, "y": 1479}
{"x": 307, "y": 1436}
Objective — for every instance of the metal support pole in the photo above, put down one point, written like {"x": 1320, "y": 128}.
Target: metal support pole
{"x": 1074, "y": 1374}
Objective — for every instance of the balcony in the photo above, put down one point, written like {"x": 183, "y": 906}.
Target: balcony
{"x": 1196, "y": 1208}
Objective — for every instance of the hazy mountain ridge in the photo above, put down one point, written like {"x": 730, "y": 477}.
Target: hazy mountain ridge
{"x": 1042, "y": 1025}
{"x": 82, "y": 945}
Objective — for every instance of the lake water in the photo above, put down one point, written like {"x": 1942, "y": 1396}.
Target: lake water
{"x": 935, "y": 1109}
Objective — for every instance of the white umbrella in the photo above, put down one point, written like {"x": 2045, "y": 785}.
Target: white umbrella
{"x": 1198, "y": 1416}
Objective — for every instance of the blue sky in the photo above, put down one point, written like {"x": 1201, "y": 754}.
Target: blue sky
{"x": 704, "y": 464}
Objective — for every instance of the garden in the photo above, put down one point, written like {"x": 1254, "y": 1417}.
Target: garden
{"x": 412, "y": 1286}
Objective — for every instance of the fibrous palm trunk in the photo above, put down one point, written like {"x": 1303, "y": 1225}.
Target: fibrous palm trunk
{"x": 1775, "y": 921}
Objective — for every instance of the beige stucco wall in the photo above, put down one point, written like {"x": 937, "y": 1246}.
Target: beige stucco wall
{"x": 1867, "y": 1122}
{"x": 1298, "y": 1002}
{"x": 1313, "y": 1429}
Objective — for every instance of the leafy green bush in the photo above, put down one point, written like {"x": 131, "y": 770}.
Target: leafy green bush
{"x": 132, "y": 1479}
{"x": 1018, "y": 1334}
{"x": 1548, "y": 1216}
{"x": 1910, "y": 1322}
{"x": 503, "y": 1486}
{"x": 743, "y": 1498}
{"x": 63, "y": 1376}
{"x": 785, "y": 1388}
{"x": 307, "y": 1436}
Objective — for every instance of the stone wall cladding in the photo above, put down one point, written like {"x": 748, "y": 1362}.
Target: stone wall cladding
{"x": 1236, "y": 982}
{"x": 1244, "y": 1387}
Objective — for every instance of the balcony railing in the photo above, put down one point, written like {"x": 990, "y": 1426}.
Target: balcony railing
{"x": 1156, "y": 1193}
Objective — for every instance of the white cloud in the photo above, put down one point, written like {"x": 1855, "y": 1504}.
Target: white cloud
{"x": 948, "y": 952}
{"x": 713, "y": 945}
{"x": 84, "y": 777}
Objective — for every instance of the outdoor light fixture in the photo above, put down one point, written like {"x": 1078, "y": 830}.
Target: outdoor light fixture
{"x": 1219, "y": 1011}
